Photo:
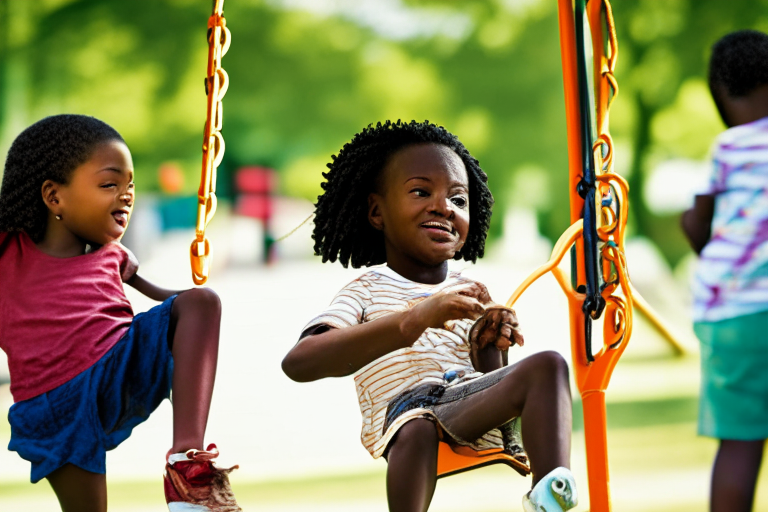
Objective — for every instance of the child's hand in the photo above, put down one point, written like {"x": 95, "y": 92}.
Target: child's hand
{"x": 472, "y": 289}
{"x": 463, "y": 301}
{"x": 499, "y": 326}
{"x": 496, "y": 330}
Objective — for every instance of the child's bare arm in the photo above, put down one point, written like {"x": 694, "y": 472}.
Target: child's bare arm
{"x": 697, "y": 221}
{"x": 150, "y": 290}
{"x": 130, "y": 276}
{"x": 340, "y": 352}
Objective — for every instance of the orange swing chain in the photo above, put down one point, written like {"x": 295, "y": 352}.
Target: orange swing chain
{"x": 611, "y": 195}
{"x": 216, "y": 83}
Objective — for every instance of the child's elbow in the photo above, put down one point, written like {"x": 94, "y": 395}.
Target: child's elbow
{"x": 293, "y": 368}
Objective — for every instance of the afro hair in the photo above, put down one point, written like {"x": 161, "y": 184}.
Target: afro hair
{"x": 738, "y": 65}
{"x": 342, "y": 230}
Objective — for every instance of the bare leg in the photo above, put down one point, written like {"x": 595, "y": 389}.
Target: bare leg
{"x": 412, "y": 467}
{"x": 537, "y": 390}
{"x": 194, "y": 337}
{"x": 79, "y": 490}
{"x": 734, "y": 475}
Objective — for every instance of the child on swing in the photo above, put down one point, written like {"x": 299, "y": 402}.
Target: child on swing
{"x": 425, "y": 345}
{"x": 84, "y": 370}
{"x": 728, "y": 227}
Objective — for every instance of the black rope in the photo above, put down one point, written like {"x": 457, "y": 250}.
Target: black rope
{"x": 593, "y": 303}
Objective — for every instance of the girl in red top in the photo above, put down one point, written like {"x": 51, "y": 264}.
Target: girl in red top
{"x": 84, "y": 371}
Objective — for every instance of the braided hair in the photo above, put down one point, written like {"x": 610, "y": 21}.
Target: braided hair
{"x": 738, "y": 65}
{"x": 50, "y": 149}
{"x": 342, "y": 229}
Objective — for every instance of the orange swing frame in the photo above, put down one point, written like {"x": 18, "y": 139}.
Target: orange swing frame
{"x": 592, "y": 371}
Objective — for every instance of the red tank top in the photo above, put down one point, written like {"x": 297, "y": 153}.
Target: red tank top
{"x": 58, "y": 316}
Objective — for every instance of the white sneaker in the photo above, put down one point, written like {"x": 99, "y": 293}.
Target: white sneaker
{"x": 556, "y": 492}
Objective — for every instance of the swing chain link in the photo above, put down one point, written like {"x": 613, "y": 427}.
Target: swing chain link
{"x": 216, "y": 84}
{"x": 612, "y": 203}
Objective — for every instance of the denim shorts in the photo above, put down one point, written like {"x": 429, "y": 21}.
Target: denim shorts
{"x": 77, "y": 422}
{"x": 446, "y": 403}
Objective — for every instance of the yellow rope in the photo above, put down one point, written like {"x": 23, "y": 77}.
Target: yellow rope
{"x": 296, "y": 228}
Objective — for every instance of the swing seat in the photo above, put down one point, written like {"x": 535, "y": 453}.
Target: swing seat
{"x": 452, "y": 460}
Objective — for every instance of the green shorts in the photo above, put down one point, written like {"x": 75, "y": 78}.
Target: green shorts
{"x": 734, "y": 377}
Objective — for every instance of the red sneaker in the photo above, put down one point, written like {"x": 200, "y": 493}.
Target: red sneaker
{"x": 193, "y": 483}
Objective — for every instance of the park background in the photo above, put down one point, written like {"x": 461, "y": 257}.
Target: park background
{"x": 306, "y": 75}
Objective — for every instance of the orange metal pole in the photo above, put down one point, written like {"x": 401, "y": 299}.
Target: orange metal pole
{"x": 571, "y": 89}
{"x": 597, "y": 453}
{"x": 592, "y": 378}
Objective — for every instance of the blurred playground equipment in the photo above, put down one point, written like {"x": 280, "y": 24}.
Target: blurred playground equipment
{"x": 254, "y": 198}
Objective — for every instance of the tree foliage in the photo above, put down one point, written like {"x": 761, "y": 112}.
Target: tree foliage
{"x": 304, "y": 80}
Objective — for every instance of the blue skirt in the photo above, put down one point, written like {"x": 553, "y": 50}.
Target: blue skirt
{"x": 79, "y": 421}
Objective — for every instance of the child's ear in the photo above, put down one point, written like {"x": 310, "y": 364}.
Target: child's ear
{"x": 51, "y": 196}
{"x": 374, "y": 211}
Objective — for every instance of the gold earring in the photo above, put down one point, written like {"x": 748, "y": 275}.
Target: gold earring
{"x": 58, "y": 217}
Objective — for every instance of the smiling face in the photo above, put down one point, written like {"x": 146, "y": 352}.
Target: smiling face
{"x": 422, "y": 207}
{"x": 97, "y": 203}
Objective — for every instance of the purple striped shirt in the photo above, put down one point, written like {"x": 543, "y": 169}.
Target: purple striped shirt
{"x": 731, "y": 279}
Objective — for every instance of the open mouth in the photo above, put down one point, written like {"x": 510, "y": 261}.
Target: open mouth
{"x": 121, "y": 217}
{"x": 438, "y": 226}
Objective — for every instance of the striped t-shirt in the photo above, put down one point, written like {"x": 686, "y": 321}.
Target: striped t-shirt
{"x": 377, "y": 293}
{"x": 731, "y": 279}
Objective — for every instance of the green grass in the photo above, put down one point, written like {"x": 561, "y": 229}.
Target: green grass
{"x": 315, "y": 489}
{"x": 667, "y": 411}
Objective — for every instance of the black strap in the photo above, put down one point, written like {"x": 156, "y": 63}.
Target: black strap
{"x": 593, "y": 303}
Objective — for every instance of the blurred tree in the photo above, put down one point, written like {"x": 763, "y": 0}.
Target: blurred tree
{"x": 302, "y": 83}
{"x": 663, "y": 46}
{"x": 308, "y": 74}
{"x": 16, "y": 20}
{"x": 4, "y": 51}
{"x": 137, "y": 65}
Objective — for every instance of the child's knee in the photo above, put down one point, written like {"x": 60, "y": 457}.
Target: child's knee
{"x": 419, "y": 435}
{"x": 550, "y": 364}
{"x": 199, "y": 300}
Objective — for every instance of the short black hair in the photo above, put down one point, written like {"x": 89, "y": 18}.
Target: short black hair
{"x": 342, "y": 229}
{"x": 739, "y": 64}
{"x": 50, "y": 149}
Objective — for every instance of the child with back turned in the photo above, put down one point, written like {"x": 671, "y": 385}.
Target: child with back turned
{"x": 728, "y": 227}
{"x": 84, "y": 370}
{"x": 426, "y": 345}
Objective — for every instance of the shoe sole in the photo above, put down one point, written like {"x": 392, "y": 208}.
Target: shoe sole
{"x": 180, "y": 506}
